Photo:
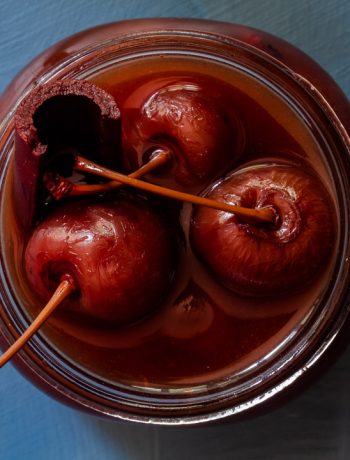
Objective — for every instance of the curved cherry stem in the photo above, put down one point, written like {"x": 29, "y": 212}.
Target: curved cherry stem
{"x": 66, "y": 287}
{"x": 254, "y": 215}
{"x": 62, "y": 187}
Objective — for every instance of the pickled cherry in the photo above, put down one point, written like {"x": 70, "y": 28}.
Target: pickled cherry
{"x": 186, "y": 119}
{"x": 273, "y": 259}
{"x": 118, "y": 251}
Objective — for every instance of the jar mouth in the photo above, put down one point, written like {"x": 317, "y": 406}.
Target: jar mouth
{"x": 296, "y": 353}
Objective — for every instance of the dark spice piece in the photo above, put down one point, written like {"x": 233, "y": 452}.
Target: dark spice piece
{"x": 65, "y": 115}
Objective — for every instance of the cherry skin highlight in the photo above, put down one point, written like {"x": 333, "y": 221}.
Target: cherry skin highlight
{"x": 183, "y": 117}
{"x": 267, "y": 260}
{"x": 118, "y": 251}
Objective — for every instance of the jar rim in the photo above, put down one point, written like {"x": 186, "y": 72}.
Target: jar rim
{"x": 79, "y": 61}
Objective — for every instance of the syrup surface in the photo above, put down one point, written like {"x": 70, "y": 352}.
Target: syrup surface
{"x": 203, "y": 331}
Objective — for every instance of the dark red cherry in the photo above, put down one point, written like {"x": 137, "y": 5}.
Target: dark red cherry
{"x": 187, "y": 119}
{"x": 118, "y": 251}
{"x": 191, "y": 314}
{"x": 267, "y": 259}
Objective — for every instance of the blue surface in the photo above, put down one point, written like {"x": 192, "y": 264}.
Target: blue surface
{"x": 316, "y": 425}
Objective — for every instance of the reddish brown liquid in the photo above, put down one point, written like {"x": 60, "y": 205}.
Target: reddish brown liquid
{"x": 203, "y": 331}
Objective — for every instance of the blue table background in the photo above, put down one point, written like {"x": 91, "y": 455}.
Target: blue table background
{"x": 316, "y": 425}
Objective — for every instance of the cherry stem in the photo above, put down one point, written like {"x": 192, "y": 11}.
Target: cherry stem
{"x": 255, "y": 215}
{"x": 159, "y": 158}
{"x": 66, "y": 286}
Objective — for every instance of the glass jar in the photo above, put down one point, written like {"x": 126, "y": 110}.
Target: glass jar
{"x": 312, "y": 95}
